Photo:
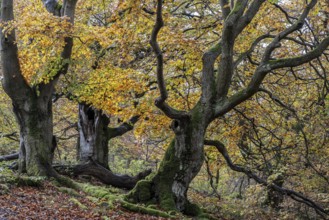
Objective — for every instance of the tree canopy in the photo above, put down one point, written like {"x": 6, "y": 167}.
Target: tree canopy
{"x": 206, "y": 87}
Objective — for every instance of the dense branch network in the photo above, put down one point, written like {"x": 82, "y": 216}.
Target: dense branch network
{"x": 267, "y": 65}
{"x": 294, "y": 195}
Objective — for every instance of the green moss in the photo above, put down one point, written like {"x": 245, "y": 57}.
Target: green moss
{"x": 152, "y": 202}
{"x": 4, "y": 189}
{"x": 76, "y": 202}
{"x": 8, "y": 178}
{"x": 144, "y": 193}
{"x": 69, "y": 191}
{"x": 159, "y": 186}
{"x": 169, "y": 165}
{"x": 93, "y": 199}
{"x": 237, "y": 7}
{"x": 164, "y": 179}
{"x": 217, "y": 47}
{"x": 197, "y": 114}
{"x": 150, "y": 177}
{"x": 153, "y": 206}
{"x": 167, "y": 201}
{"x": 95, "y": 191}
{"x": 144, "y": 210}
{"x": 35, "y": 181}
{"x": 67, "y": 182}
{"x": 32, "y": 170}
{"x": 111, "y": 197}
{"x": 58, "y": 6}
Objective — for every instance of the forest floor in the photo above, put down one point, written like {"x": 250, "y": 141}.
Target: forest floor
{"x": 47, "y": 202}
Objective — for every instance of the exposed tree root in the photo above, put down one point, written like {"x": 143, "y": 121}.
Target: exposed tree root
{"x": 108, "y": 177}
{"x": 101, "y": 173}
{"x": 96, "y": 170}
{"x": 21, "y": 180}
{"x": 145, "y": 210}
{"x": 104, "y": 193}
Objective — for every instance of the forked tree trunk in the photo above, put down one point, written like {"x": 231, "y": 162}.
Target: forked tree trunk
{"x": 34, "y": 116}
{"x": 182, "y": 162}
{"x": 32, "y": 104}
{"x": 93, "y": 135}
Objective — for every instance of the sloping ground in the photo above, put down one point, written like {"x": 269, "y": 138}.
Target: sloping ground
{"x": 47, "y": 202}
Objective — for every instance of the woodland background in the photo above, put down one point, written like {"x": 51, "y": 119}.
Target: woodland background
{"x": 281, "y": 133}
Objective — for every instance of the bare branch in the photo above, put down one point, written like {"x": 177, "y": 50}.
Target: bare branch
{"x": 233, "y": 26}
{"x": 299, "y": 60}
{"x": 248, "y": 16}
{"x": 250, "y": 50}
{"x": 208, "y": 76}
{"x": 12, "y": 136}
{"x": 288, "y": 17}
{"x": 294, "y": 195}
{"x": 268, "y": 65}
{"x": 160, "y": 102}
{"x": 226, "y": 10}
{"x": 153, "y": 41}
{"x": 294, "y": 27}
{"x": 123, "y": 128}
{"x": 13, "y": 156}
{"x": 277, "y": 100}
{"x": 13, "y": 82}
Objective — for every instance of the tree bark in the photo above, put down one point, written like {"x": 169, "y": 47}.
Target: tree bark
{"x": 182, "y": 162}
{"x": 34, "y": 116}
{"x": 184, "y": 157}
{"x": 108, "y": 177}
{"x": 32, "y": 104}
{"x": 93, "y": 135}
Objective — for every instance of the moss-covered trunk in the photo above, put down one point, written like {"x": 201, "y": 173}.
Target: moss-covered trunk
{"x": 34, "y": 116}
{"x": 93, "y": 135}
{"x": 181, "y": 163}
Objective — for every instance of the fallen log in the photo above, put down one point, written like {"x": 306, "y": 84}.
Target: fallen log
{"x": 9, "y": 157}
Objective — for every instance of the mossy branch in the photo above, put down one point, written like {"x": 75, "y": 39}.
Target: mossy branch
{"x": 145, "y": 210}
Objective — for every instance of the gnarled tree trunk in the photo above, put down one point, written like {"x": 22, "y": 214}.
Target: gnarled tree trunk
{"x": 34, "y": 116}
{"x": 184, "y": 157}
{"x": 32, "y": 104}
{"x": 93, "y": 135}
{"x": 182, "y": 162}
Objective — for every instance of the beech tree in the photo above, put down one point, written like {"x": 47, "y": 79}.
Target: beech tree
{"x": 185, "y": 155}
{"x": 101, "y": 91}
{"x": 95, "y": 134}
{"x": 93, "y": 147}
{"x": 32, "y": 104}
